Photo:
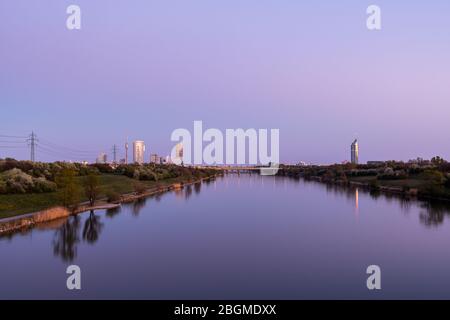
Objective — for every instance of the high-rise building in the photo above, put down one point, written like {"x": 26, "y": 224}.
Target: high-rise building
{"x": 354, "y": 152}
{"x": 154, "y": 158}
{"x": 178, "y": 154}
{"x": 102, "y": 158}
{"x": 126, "y": 152}
{"x": 138, "y": 151}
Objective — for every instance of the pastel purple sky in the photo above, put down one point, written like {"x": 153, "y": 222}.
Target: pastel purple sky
{"x": 144, "y": 68}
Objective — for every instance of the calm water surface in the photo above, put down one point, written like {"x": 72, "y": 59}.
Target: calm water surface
{"x": 239, "y": 237}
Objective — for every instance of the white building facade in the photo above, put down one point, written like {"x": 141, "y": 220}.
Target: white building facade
{"x": 138, "y": 151}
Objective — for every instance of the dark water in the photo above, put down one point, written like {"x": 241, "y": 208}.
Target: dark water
{"x": 239, "y": 237}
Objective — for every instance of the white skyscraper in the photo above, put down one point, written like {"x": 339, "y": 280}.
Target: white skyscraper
{"x": 138, "y": 151}
{"x": 354, "y": 152}
{"x": 178, "y": 154}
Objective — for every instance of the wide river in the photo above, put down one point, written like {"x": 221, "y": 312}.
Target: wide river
{"x": 238, "y": 237}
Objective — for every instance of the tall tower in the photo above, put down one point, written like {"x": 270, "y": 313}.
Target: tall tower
{"x": 32, "y": 140}
{"x": 126, "y": 152}
{"x": 138, "y": 151}
{"x": 114, "y": 150}
{"x": 354, "y": 152}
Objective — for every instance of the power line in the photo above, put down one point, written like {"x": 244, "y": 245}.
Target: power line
{"x": 4, "y": 141}
{"x": 54, "y": 145}
{"x": 58, "y": 153}
{"x": 18, "y": 137}
{"x": 40, "y": 146}
{"x": 12, "y": 147}
{"x": 66, "y": 151}
{"x": 50, "y": 148}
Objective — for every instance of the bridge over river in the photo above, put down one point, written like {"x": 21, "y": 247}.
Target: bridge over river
{"x": 264, "y": 170}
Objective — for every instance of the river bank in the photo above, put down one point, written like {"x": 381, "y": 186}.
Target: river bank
{"x": 401, "y": 191}
{"x": 29, "y": 220}
{"x": 425, "y": 181}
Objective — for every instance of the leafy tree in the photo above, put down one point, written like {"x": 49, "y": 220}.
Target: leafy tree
{"x": 434, "y": 176}
{"x": 437, "y": 160}
{"x": 91, "y": 186}
{"x": 68, "y": 186}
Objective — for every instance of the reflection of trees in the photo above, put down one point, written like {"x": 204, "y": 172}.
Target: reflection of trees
{"x": 187, "y": 191}
{"x": 111, "y": 213}
{"x": 434, "y": 213}
{"x": 197, "y": 187}
{"x": 375, "y": 194}
{"x": 92, "y": 228}
{"x": 138, "y": 205}
{"x": 158, "y": 197}
{"x": 405, "y": 204}
{"x": 66, "y": 238}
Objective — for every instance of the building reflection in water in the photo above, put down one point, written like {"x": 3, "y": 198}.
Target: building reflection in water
{"x": 179, "y": 194}
{"x": 357, "y": 203}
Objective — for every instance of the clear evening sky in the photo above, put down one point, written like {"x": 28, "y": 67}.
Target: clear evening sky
{"x": 141, "y": 69}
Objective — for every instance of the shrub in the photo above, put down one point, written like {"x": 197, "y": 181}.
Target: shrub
{"x": 17, "y": 181}
{"x": 43, "y": 185}
{"x": 374, "y": 185}
{"x": 113, "y": 196}
{"x": 434, "y": 176}
{"x": 139, "y": 188}
{"x": 2, "y": 186}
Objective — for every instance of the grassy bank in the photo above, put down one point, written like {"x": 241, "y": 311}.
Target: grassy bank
{"x": 17, "y": 204}
{"x": 27, "y": 186}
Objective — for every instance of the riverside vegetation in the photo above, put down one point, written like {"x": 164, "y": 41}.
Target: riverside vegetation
{"x": 27, "y": 186}
{"x": 422, "y": 178}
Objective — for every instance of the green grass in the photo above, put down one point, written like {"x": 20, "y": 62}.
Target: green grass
{"x": 362, "y": 179}
{"x": 17, "y": 204}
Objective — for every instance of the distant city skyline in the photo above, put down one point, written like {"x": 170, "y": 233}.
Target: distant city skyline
{"x": 66, "y": 153}
{"x": 312, "y": 71}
